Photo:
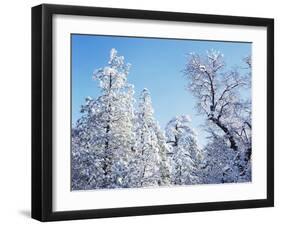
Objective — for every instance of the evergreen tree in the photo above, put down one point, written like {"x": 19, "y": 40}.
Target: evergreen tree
{"x": 164, "y": 150}
{"x": 147, "y": 143}
{"x": 107, "y": 124}
{"x": 185, "y": 154}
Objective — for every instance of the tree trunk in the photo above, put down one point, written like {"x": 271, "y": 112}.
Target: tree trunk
{"x": 233, "y": 144}
{"x": 107, "y": 160}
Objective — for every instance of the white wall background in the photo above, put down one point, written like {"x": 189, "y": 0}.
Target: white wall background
{"x": 15, "y": 119}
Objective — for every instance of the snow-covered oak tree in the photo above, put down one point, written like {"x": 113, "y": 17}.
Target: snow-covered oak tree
{"x": 218, "y": 93}
{"x": 185, "y": 155}
{"x": 218, "y": 166}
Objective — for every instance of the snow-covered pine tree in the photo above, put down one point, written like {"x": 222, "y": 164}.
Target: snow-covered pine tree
{"x": 107, "y": 125}
{"x": 116, "y": 107}
{"x": 79, "y": 174}
{"x": 87, "y": 158}
{"x": 148, "y": 146}
{"x": 185, "y": 154}
{"x": 164, "y": 150}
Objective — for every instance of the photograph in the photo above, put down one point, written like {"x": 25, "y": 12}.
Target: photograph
{"x": 149, "y": 112}
{"x": 141, "y": 112}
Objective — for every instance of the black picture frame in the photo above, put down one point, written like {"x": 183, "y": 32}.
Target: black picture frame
{"x": 42, "y": 197}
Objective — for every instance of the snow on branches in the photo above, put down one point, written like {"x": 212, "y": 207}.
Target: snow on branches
{"x": 185, "y": 154}
{"x": 118, "y": 143}
{"x": 219, "y": 99}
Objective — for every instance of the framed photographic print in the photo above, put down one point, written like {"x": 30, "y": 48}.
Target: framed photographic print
{"x": 145, "y": 112}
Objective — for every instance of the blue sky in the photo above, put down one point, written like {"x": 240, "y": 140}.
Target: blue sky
{"x": 157, "y": 65}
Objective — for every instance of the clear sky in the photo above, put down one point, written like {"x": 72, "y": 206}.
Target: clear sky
{"x": 157, "y": 65}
